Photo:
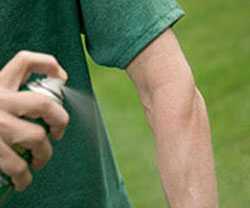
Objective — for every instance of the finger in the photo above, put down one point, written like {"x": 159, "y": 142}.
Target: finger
{"x": 34, "y": 105}
{"x": 37, "y": 164}
{"x": 28, "y": 135}
{"x": 24, "y": 63}
{"x": 15, "y": 167}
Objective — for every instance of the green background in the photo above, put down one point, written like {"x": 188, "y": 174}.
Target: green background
{"x": 215, "y": 36}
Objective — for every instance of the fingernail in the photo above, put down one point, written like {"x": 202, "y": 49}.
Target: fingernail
{"x": 37, "y": 164}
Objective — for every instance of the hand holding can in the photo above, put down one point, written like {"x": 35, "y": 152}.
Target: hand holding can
{"x": 33, "y": 105}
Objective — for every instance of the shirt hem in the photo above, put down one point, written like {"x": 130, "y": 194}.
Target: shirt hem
{"x": 154, "y": 30}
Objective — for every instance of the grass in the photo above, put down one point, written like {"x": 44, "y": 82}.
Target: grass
{"x": 215, "y": 38}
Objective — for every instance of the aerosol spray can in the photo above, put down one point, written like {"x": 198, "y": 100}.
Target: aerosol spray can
{"x": 51, "y": 87}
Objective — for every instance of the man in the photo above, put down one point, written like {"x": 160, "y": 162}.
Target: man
{"x": 135, "y": 35}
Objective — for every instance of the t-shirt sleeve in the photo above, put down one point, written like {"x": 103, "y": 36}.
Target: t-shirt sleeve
{"x": 118, "y": 30}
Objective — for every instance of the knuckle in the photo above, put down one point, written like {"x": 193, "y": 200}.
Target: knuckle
{"x": 45, "y": 102}
{"x": 23, "y": 56}
{"x": 52, "y": 61}
{"x": 20, "y": 168}
{"x": 65, "y": 120}
{"x": 39, "y": 135}
{"x": 22, "y": 53}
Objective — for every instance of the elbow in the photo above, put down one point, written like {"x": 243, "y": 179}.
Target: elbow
{"x": 178, "y": 106}
{"x": 191, "y": 112}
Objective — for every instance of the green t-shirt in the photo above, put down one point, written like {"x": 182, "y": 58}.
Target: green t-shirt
{"x": 82, "y": 173}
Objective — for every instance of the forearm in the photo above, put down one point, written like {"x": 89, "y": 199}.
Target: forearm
{"x": 177, "y": 115}
{"x": 184, "y": 150}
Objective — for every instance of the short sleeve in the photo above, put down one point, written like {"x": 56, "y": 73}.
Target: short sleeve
{"x": 117, "y": 30}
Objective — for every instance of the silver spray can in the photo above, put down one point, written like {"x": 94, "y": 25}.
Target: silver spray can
{"x": 51, "y": 87}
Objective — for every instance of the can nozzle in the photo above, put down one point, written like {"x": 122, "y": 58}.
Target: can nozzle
{"x": 53, "y": 86}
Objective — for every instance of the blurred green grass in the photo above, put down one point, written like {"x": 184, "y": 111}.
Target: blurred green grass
{"x": 215, "y": 38}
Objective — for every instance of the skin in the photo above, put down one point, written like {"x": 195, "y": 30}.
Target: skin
{"x": 177, "y": 115}
{"x": 173, "y": 106}
{"x": 14, "y": 105}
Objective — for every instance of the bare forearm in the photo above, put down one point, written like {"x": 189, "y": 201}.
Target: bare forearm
{"x": 177, "y": 115}
{"x": 184, "y": 151}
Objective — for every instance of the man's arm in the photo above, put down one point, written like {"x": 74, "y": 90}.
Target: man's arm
{"x": 177, "y": 115}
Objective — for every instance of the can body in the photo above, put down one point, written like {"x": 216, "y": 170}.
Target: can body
{"x": 6, "y": 185}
